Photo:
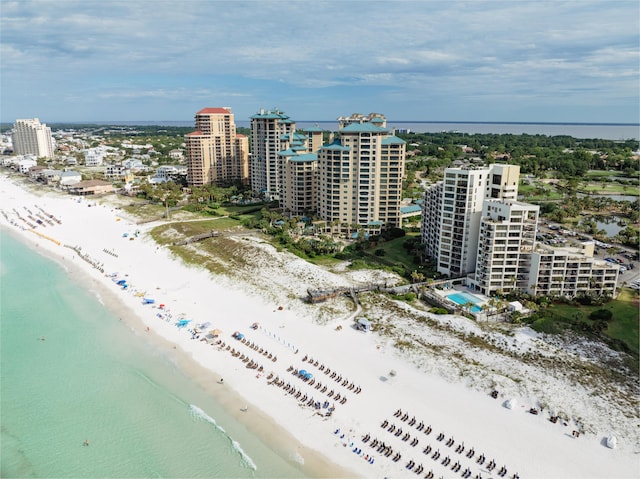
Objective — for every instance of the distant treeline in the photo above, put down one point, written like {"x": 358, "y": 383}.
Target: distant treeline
{"x": 534, "y": 153}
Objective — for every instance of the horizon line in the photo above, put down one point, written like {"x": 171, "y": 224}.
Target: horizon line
{"x": 460, "y": 122}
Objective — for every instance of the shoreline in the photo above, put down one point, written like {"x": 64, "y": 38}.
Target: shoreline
{"x": 263, "y": 426}
{"x": 365, "y": 360}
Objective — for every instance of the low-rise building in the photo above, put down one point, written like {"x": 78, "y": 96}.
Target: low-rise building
{"x": 91, "y": 187}
{"x": 570, "y": 272}
{"x": 69, "y": 178}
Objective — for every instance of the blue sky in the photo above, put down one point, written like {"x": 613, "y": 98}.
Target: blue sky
{"x": 157, "y": 60}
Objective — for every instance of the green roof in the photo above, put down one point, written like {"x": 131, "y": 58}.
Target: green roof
{"x": 271, "y": 115}
{"x": 336, "y": 145}
{"x": 313, "y": 129}
{"x": 288, "y": 152}
{"x": 393, "y": 140}
{"x": 304, "y": 158}
{"x": 296, "y": 136}
{"x": 363, "y": 128}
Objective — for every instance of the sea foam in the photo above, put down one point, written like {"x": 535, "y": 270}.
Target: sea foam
{"x": 200, "y": 414}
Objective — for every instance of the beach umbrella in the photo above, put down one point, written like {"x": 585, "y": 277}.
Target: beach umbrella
{"x": 308, "y": 375}
{"x": 303, "y": 372}
{"x": 240, "y": 336}
{"x": 216, "y": 332}
{"x": 204, "y": 325}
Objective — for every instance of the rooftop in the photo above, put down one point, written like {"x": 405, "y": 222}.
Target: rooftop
{"x": 336, "y": 145}
{"x": 214, "y": 111}
{"x": 393, "y": 140}
{"x": 304, "y": 158}
{"x": 363, "y": 128}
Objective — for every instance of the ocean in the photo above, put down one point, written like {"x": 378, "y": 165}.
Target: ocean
{"x": 72, "y": 371}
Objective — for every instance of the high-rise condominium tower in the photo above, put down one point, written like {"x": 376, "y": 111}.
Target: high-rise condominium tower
{"x": 215, "y": 153}
{"x": 30, "y": 137}
{"x": 299, "y": 188}
{"x": 505, "y": 243}
{"x": 360, "y": 175}
{"x": 452, "y": 211}
{"x": 270, "y": 131}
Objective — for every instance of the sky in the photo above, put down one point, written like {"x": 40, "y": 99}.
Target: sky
{"x": 156, "y": 60}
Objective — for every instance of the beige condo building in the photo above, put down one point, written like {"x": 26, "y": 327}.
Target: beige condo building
{"x": 214, "y": 152}
{"x": 360, "y": 174}
{"x": 30, "y": 137}
{"x": 270, "y": 134}
{"x": 298, "y": 192}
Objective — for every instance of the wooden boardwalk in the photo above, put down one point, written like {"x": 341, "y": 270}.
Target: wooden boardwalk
{"x": 200, "y": 237}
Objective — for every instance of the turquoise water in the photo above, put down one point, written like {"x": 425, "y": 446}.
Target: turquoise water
{"x": 94, "y": 378}
{"x": 464, "y": 298}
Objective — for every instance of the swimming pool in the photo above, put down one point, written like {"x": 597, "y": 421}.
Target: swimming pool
{"x": 464, "y": 298}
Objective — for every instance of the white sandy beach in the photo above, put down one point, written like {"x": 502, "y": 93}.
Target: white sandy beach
{"x": 446, "y": 388}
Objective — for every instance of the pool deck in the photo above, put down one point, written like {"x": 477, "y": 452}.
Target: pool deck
{"x": 480, "y": 298}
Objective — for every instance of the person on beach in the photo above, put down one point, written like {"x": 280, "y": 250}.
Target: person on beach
{"x": 221, "y": 381}
{"x": 86, "y": 442}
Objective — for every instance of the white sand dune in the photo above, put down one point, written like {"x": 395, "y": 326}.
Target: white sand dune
{"x": 438, "y": 370}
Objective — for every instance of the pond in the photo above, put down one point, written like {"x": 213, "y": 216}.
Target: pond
{"x": 609, "y": 224}
{"x": 613, "y": 197}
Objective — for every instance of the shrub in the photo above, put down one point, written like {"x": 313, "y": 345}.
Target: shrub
{"x": 601, "y": 315}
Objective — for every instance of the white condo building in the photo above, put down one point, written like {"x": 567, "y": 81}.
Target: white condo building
{"x": 452, "y": 211}
{"x": 474, "y": 227}
{"x": 568, "y": 272}
{"x": 505, "y": 243}
{"x": 32, "y": 137}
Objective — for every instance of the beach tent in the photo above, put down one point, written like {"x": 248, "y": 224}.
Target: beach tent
{"x": 510, "y": 403}
{"x": 364, "y": 324}
{"x": 611, "y": 442}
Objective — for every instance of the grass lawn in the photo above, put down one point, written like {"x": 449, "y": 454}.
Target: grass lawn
{"x": 623, "y": 326}
{"x": 610, "y": 188}
{"x": 394, "y": 250}
{"x": 601, "y": 173}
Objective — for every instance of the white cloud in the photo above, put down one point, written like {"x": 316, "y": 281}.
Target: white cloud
{"x": 166, "y": 50}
